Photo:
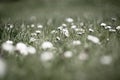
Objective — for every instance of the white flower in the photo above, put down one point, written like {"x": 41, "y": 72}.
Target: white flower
{"x": 68, "y": 54}
{"x": 108, "y": 27}
{"x": 32, "y": 39}
{"x": 114, "y": 19}
{"x": 8, "y": 47}
{"x": 79, "y": 33}
{"x": 81, "y": 24}
{"x": 70, "y": 20}
{"x": 81, "y": 30}
{"x": 32, "y": 25}
{"x": 108, "y": 39}
{"x": 31, "y": 50}
{"x": 65, "y": 32}
{"x": 112, "y": 30}
{"x": 73, "y": 27}
{"x": 60, "y": 28}
{"x": 83, "y": 56}
{"x": 77, "y": 29}
{"x": 22, "y": 48}
{"x": 38, "y": 31}
{"x": 106, "y": 60}
{"x": 103, "y": 24}
{"x": 93, "y": 39}
{"x": 58, "y": 38}
{"x": 9, "y": 42}
{"x": 118, "y": 27}
{"x": 91, "y": 30}
{"x": 33, "y": 34}
{"x": 47, "y": 45}
{"x": 46, "y": 56}
{"x": 2, "y": 68}
{"x": 11, "y": 25}
{"x": 76, "y": 42}
{"x": 39, "y": 26}
{"x": 64, "y": 25}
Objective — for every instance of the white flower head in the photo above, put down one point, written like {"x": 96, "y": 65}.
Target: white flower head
{"x": 76, "y": 42}
{"x": 65, "y": 32}
{"x": 91, "y": 30}
{"x": 46, "y": 56}
{"x": 93, "y": 39}
{"x": 53, "y": 31}
{"x": 60, "y": 28}
{"x": 103, "y": 24}
{"x": 32, "y": 25}
{"x": 68, "y": 54}
{"x": 22, "y": 48}
{"x": 47, "y": 45}
{"x": 106, "y": 60}
{"x": 31, "y": 50}
{"x": 32, "y": 39}
{"x": 108, "y": 27}
{"x": 81, "y": 24}
{"x": 9, "y": 42}
{"x": 70, "y": 20}
{"x": 38, "y": 31}
{"x": 118, "y": 27}
{"x": 8, "y": 47}
{"x": 39, "y": 26}
{"x": 58, "y": 38}
{"x": 33, "y": 34}
{"x": 65, "y": 25}
{"x": 73, "y": 27}
{"x": 2, "y": 68}
{"x": 80, "y": 30}
{"x": 11, "y": 25}
{"x": 112, "y": 30}
{"x": 77, "y": 29}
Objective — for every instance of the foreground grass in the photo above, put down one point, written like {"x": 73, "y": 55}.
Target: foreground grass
{"x": 31, "y": 67}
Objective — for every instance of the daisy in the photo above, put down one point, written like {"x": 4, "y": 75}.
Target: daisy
{"x": 65, "y": 32}
{"x": 8, "y": 46}
{"x": 31, "y": 50}
{"x": 73, "y": 27}
{"x": 76, "y": 42}
{"x": 22, "y": 48}
{"x": 39, "y": 26}
{"x": 47, "y": 45}
{"x": 91, "y": 30}
{"x": 38, "y": 31}
{"x": 112, "y": 30}
{"x": 106, "y": 60}
{"x": 118, "y": 27}
{"x": 58, "y": 38}
{"x": 69, "y": 20}
{"x": 46, "y": 56}
{"x": 68, "y": 54}
{"x": 93, "y": 39}
{"x": 103, "y": 24}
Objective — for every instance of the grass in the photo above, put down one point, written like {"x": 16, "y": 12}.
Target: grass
{"x": 30, "y": 67}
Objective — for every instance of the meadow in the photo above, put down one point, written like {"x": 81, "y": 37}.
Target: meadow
{"x": 60, "y": 43}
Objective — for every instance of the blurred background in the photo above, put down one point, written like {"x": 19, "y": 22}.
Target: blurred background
{"x": 26, "y": 8}
{"x": 45, "y": 10}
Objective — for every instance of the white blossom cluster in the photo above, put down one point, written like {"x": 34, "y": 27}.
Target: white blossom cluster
{"x": 21, "y": 47}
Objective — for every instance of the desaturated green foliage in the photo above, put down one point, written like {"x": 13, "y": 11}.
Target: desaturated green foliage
{"x": 24, "y": 14}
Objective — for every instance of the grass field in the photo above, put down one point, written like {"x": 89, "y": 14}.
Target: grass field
{"x": 75, "y": 43}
